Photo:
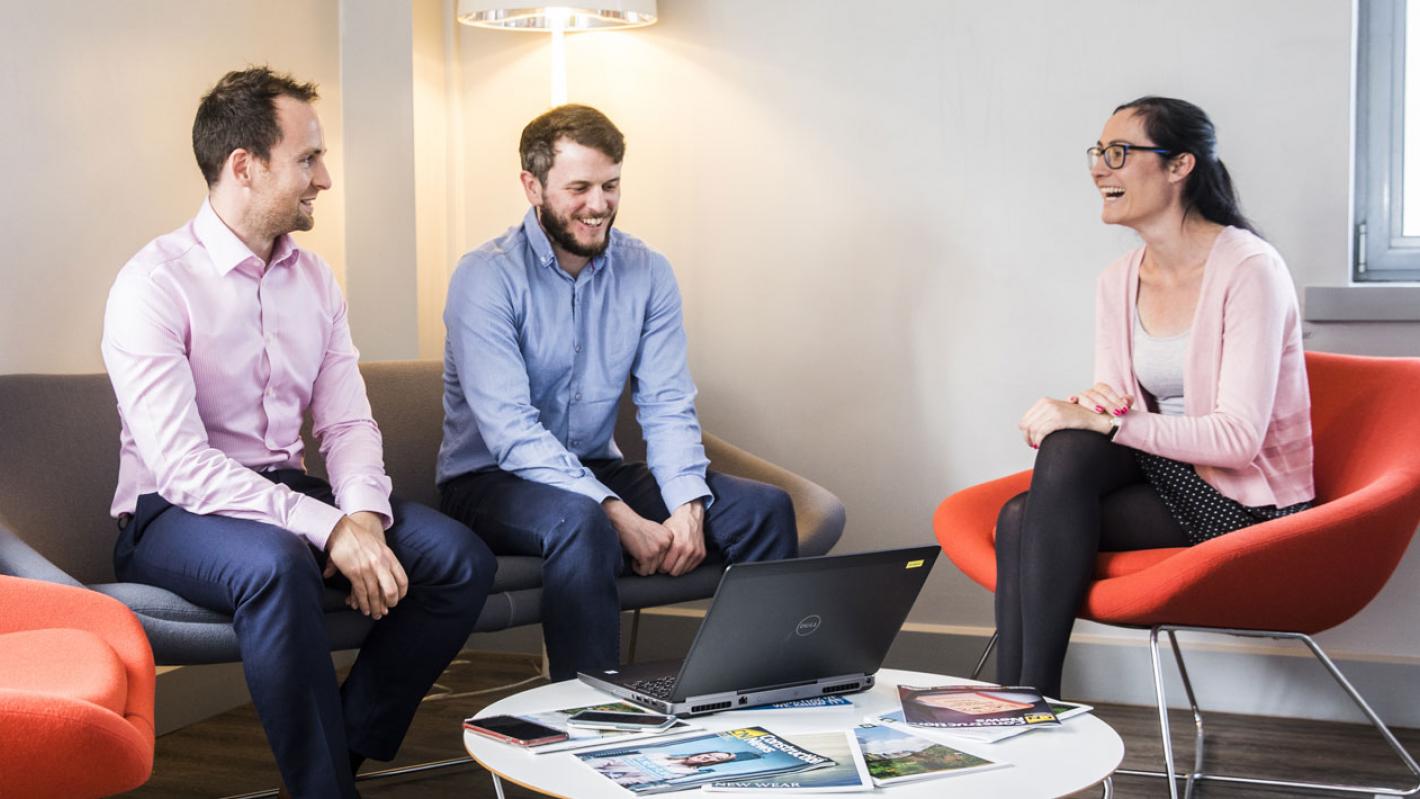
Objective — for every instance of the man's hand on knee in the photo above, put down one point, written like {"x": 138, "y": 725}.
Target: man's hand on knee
{"x": 644, "y": 540}
{"x": 358, "y": 551}
{"x": 687, "y": 548}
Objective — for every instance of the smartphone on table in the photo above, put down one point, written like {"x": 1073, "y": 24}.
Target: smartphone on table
{"x": 515, "y": 731}
{"x": 613, "y": 720}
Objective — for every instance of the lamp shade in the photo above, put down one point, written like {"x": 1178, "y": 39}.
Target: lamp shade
{"x": 598, "y": 15}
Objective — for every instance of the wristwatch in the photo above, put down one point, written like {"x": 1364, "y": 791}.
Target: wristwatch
{"x": 1114, "y": 423}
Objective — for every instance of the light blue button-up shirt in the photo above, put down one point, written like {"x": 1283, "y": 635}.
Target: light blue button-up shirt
{"x": 535, "y": 362}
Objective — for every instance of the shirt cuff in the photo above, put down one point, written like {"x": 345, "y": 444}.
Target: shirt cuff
{"x": 358, "y": 497}
{"x": 314, "y": 520}
{"x": 685, "y": 488}
{"x": 592, "y": 488}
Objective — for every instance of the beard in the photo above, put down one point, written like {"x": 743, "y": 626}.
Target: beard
{"x": 276, "y": 221}
{"x": 559, "y": 230}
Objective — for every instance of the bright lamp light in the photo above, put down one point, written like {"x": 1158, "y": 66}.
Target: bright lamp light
{"x": 602, "y": 15}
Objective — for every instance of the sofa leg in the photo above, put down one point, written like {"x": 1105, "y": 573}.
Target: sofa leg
{"x": 1198, "y": 776}
{"x": 985, "y": 653}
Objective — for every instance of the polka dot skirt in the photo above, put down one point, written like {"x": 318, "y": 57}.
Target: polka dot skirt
{"x": 1197, "y": 506}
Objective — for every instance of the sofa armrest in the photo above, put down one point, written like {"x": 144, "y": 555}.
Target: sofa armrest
{"x": 19, "y": 559}
{"x": 820, "y": 514}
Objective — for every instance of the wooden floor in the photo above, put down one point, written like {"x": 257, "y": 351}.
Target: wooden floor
{"x": 228, "y": 755}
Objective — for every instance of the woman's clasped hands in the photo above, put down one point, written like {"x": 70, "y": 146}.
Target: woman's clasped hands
{"x": 1091, "y": 409}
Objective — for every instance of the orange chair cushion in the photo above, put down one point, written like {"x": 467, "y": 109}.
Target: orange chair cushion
{"x": 1119, "y": 564}
{"x": 62, "y": 662}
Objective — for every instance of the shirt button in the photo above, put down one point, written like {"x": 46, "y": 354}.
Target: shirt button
{"x": 271, "y": 392}
{"x": 576, "y": 347}
{"x": 577, "y": 396}
{"x": 575, "y": 442}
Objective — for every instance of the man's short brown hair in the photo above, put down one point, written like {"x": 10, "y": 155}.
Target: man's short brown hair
{"x": 580, "y": 123}
{"x": 239, "y": 113}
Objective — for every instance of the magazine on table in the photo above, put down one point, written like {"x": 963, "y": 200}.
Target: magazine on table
{"x": 974, "y": 706}
{"x": 1063, "y": 710}
{"x": 897, "y": 755}
{"x": 581, "y": 737}
{"x": 662, "y": 766}
{"x": 849, "y": 771}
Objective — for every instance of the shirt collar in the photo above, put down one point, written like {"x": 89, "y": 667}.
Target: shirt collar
{"x": 542, "y": 247}
{"x": 227, "y": 251}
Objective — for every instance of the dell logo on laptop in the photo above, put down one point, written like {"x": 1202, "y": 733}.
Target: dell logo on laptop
{"x": 808, "y": 625}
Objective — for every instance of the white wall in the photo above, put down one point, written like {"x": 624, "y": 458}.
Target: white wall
{"x": 883, "y": 224}
{"x": 98, "y": 102}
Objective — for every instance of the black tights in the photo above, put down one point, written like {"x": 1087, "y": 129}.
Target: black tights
{"x": 1087, "y": 495}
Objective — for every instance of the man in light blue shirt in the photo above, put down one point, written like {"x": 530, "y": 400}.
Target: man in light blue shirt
{"x": 544, "y": 326}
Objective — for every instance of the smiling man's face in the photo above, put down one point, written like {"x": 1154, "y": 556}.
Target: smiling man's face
{"x": 577, "y": 203}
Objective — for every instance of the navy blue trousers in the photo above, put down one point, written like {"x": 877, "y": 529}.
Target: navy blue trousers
{"x": 582, "y": 556}
{"x": 269, "y": 580}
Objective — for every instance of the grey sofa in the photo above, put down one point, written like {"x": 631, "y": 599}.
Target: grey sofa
{"x": 59, "y": 465}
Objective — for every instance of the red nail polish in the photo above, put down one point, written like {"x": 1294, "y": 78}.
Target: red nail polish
{"x": 1074, "y": 398}
{"x": 1099, "y": 409}
{"x": 1118, "y": 411}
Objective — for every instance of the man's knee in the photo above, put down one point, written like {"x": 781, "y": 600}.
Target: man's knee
{"x": 472, "y": 561}
{"x": 280, "y": 563}
{"x": 457, "y": 556}
{"x": 581, "y": 526}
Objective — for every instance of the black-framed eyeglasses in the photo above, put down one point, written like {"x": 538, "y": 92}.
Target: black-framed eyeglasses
{"x": 1115, "y": 154}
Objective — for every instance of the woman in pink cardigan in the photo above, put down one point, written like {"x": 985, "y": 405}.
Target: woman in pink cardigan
{"x": 1198, "y": 423}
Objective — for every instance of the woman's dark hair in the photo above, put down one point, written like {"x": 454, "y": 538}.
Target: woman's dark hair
{"x": 1182, "y": 127}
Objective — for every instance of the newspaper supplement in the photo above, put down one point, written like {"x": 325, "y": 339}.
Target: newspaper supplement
{"x": 662, "y": 766}
{"x": 1062, "y": 711}
{"x": 848, "y": 773}
{"x": 974, "y": 706}
{"x": 895, "y": 755}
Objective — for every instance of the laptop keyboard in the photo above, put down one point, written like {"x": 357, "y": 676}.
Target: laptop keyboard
{"x": 659, "y": 687}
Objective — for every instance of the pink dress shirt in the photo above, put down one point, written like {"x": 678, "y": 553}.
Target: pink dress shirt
{"x": 1247, "y": 424}
{"x": 214, "y": 358}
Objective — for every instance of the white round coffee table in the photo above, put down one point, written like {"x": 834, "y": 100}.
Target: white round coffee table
{"x": 1084, "y": 751}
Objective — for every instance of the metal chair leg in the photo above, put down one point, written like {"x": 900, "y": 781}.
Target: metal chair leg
{"x": 985, "y": 653}
{"x": 497, "y": 785}
{"x": 1198, "y": 776}
{"x": 1163, "y": 712}
{"x": 1107, "y": 788}
{"x": 1197, "y": 717}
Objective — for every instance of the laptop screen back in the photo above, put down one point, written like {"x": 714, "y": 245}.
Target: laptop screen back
{"x": 794, "y": 621}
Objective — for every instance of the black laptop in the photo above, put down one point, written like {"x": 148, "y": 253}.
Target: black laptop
{"x": 784, "y": 630}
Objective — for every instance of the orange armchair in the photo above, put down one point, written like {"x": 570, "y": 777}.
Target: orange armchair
{"x": 76, "y": 693}
{"x": 1279, "y": 579}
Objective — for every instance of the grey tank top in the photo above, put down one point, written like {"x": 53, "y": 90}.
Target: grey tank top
{"x": 1158, "y": 366}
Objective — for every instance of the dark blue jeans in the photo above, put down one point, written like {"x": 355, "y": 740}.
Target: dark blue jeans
{"x": 582, "y": 557}
{"x": 269, "y": 580}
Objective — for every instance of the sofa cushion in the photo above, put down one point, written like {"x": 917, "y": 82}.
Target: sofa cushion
{"x": 63, "y": 662}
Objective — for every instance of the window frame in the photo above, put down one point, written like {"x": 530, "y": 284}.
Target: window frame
{"x": 1381, "y": 253}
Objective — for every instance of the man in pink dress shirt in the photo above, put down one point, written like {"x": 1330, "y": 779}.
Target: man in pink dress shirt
{"x": 217, "y": 338}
